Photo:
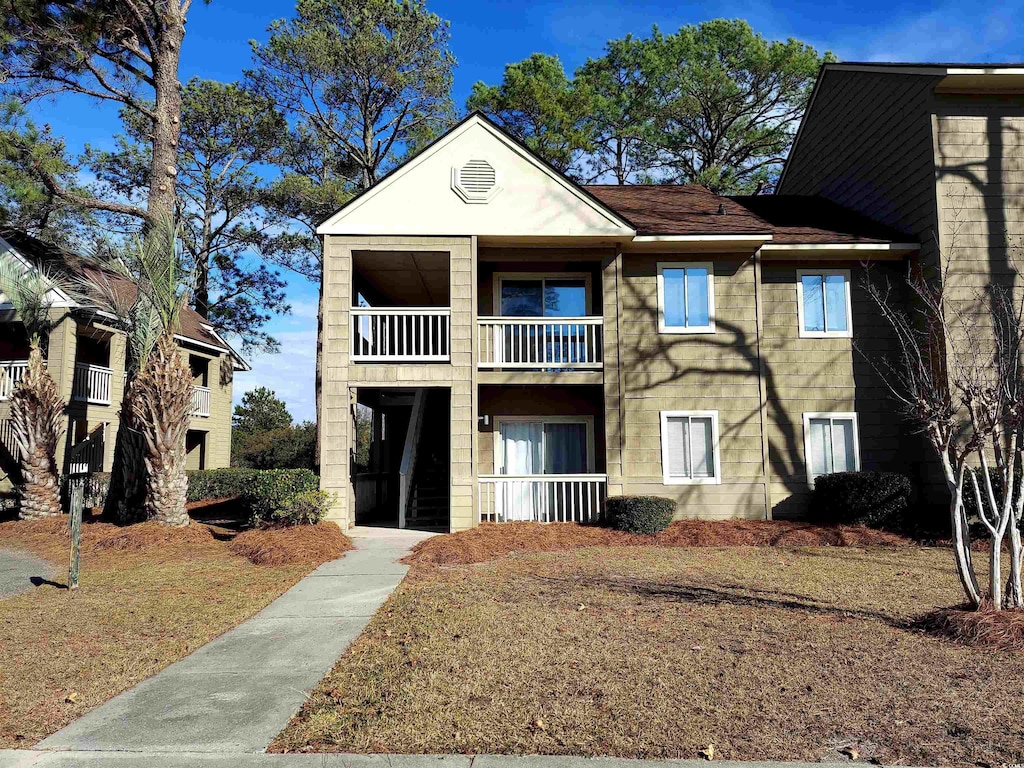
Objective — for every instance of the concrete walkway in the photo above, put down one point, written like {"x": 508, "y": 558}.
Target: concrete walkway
{"x": 17, "y": 569}
{"x": 12, "y": 759}
{"x": 235, "y": 694}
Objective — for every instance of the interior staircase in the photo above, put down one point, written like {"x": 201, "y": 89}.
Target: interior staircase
{"x": 430, "y": 490}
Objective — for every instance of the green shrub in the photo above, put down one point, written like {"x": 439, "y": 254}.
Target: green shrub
{"x": 225, "y": 483}
{"x": 273, "y": 491}
{"x": 306, "y": 508}
{"x": 874, "y": 499}
{"x": 640, "y": 514}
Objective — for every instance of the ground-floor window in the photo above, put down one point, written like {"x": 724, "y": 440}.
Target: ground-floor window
{"x": 831, "y": 444}
{"x": 544, "y": 446}
{"x": 689, "y": 447}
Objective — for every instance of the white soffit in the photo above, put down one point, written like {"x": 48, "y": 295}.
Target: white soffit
{"x": 507, "y": 192}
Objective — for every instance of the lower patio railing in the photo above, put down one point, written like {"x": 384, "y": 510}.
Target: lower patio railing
{"x": 542, "y": 498}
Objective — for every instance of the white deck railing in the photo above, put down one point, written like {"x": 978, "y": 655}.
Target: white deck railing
{"x": 92, "y": 384}
{"x": 563, "y": 343}
{"x": 408, "y": 334}
{"x": 11, "y": 374}
{"x": 542, "y": 498}
{"x": 200, "y": 401}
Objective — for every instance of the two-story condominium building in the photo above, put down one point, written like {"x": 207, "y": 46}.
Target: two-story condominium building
{"x": 85, "y": 354}
{"x": 528, "y": 346}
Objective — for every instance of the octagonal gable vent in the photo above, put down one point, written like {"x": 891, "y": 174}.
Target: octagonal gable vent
{"x": 476, "y": 181}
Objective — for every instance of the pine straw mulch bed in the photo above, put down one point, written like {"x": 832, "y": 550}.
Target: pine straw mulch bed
{"x": 148, "y": 596}
{"x": 490, "y": 541}
{"x": 1003, "y": 630}
{"x": 767, "y": 653}
{"x": 295, "y": 544}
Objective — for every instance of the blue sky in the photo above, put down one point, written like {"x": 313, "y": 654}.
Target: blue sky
{"x": 488, "y": 34}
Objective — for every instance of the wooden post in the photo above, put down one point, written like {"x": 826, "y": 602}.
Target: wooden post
{"x": 77, "y": 503}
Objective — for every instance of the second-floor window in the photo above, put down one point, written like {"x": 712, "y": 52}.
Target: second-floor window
{"x": 686, "y": 298}
{"x": 823, "y": 303}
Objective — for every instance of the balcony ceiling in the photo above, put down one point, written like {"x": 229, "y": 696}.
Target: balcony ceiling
{"x": 403, "y": 278}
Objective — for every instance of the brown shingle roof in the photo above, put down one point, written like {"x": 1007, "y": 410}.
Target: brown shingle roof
{"x": 677, "y": 210}
{"x": 693, "y": 210}
{"x": 55, "y": 257}
{"x": 809, "y": 219}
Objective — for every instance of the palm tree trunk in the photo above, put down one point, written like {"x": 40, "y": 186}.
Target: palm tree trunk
{"x": 125, "y": 497}
{"x": 37, "y": 417}
{"x": 161, "y": 402}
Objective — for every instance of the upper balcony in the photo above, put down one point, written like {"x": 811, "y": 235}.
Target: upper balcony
{"x": 400, "y": 309}
{"x": 11, "y": 374}
{"x": 537, "y": 323}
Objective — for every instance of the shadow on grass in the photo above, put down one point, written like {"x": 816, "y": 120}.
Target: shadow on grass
{"x": 39, "y": 581}
{"x": 730, "y": 596}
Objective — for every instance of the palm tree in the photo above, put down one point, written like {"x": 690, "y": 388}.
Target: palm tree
{"x": 146, "y": 286}
{"x": 37, "y": 409}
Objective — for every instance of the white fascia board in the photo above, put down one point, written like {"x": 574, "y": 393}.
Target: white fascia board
{"x": 203, "y": 344}
{"x": 983, "y": 70}
{"x": 63, "y": 300}
{"x": 333, "y": 225}
{"x": 824, "y": 247}
{"x": 702, "y": 238}
{"x": 243, "y": 363}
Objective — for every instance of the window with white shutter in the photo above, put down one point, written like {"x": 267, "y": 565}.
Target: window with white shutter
{"x": 831, "y": 444}
{"x": 689, "y": 447}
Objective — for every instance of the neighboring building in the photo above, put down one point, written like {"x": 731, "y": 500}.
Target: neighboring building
{"x": 528, "y": 346}
{"x": 935, "y": 150}
{"x": 85, "y": 355}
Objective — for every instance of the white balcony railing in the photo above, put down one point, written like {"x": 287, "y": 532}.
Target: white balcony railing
{"x": 542, "y": 498}
{"x": 92, "y": 384}
{"x": 409, "y": 334}
{"x": 564, "y": 343}
{"x": 11, "y": 374}
{"x": 200, "y": 401}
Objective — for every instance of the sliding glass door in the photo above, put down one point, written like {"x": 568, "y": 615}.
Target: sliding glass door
{"x": 527, "y": 447}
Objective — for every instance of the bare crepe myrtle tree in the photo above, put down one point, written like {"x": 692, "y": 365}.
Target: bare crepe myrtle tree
{"x": 958, "y": 375}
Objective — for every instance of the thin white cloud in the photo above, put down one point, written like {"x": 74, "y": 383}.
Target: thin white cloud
{"x": 948, "y": 32}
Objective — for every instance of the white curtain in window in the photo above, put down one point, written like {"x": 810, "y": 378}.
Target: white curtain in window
{"x": 522, "y": 445}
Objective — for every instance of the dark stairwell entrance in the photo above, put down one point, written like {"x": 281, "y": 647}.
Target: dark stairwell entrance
{"x": 402, "y": 469}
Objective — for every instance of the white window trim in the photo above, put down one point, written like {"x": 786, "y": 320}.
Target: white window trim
{"x": 844, "y": 415}
{"x": 499, "y": 454}
{"x": 666, "y": 480}
{"x": 826, "y": 334}
{"x": 500, "y": 277}
{"x": 710, "y": 267}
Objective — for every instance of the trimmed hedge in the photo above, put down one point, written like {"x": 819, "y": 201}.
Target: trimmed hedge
{"x": 874, "y": 499}
{"x": 224, "y": 483}
{"x": 640, "y": 514}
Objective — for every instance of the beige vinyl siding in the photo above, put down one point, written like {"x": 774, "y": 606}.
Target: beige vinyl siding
{"x": 692, "y": 372}
{"x": 867, "y": 144}
{"x": 813, "y": 375}
{"x": 341, "y": 377}
{"x": 980, "y": 185}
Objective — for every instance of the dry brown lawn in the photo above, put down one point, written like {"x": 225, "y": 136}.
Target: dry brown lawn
{"x": 766, "y": 653}
{"x": 147, "y": 597}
